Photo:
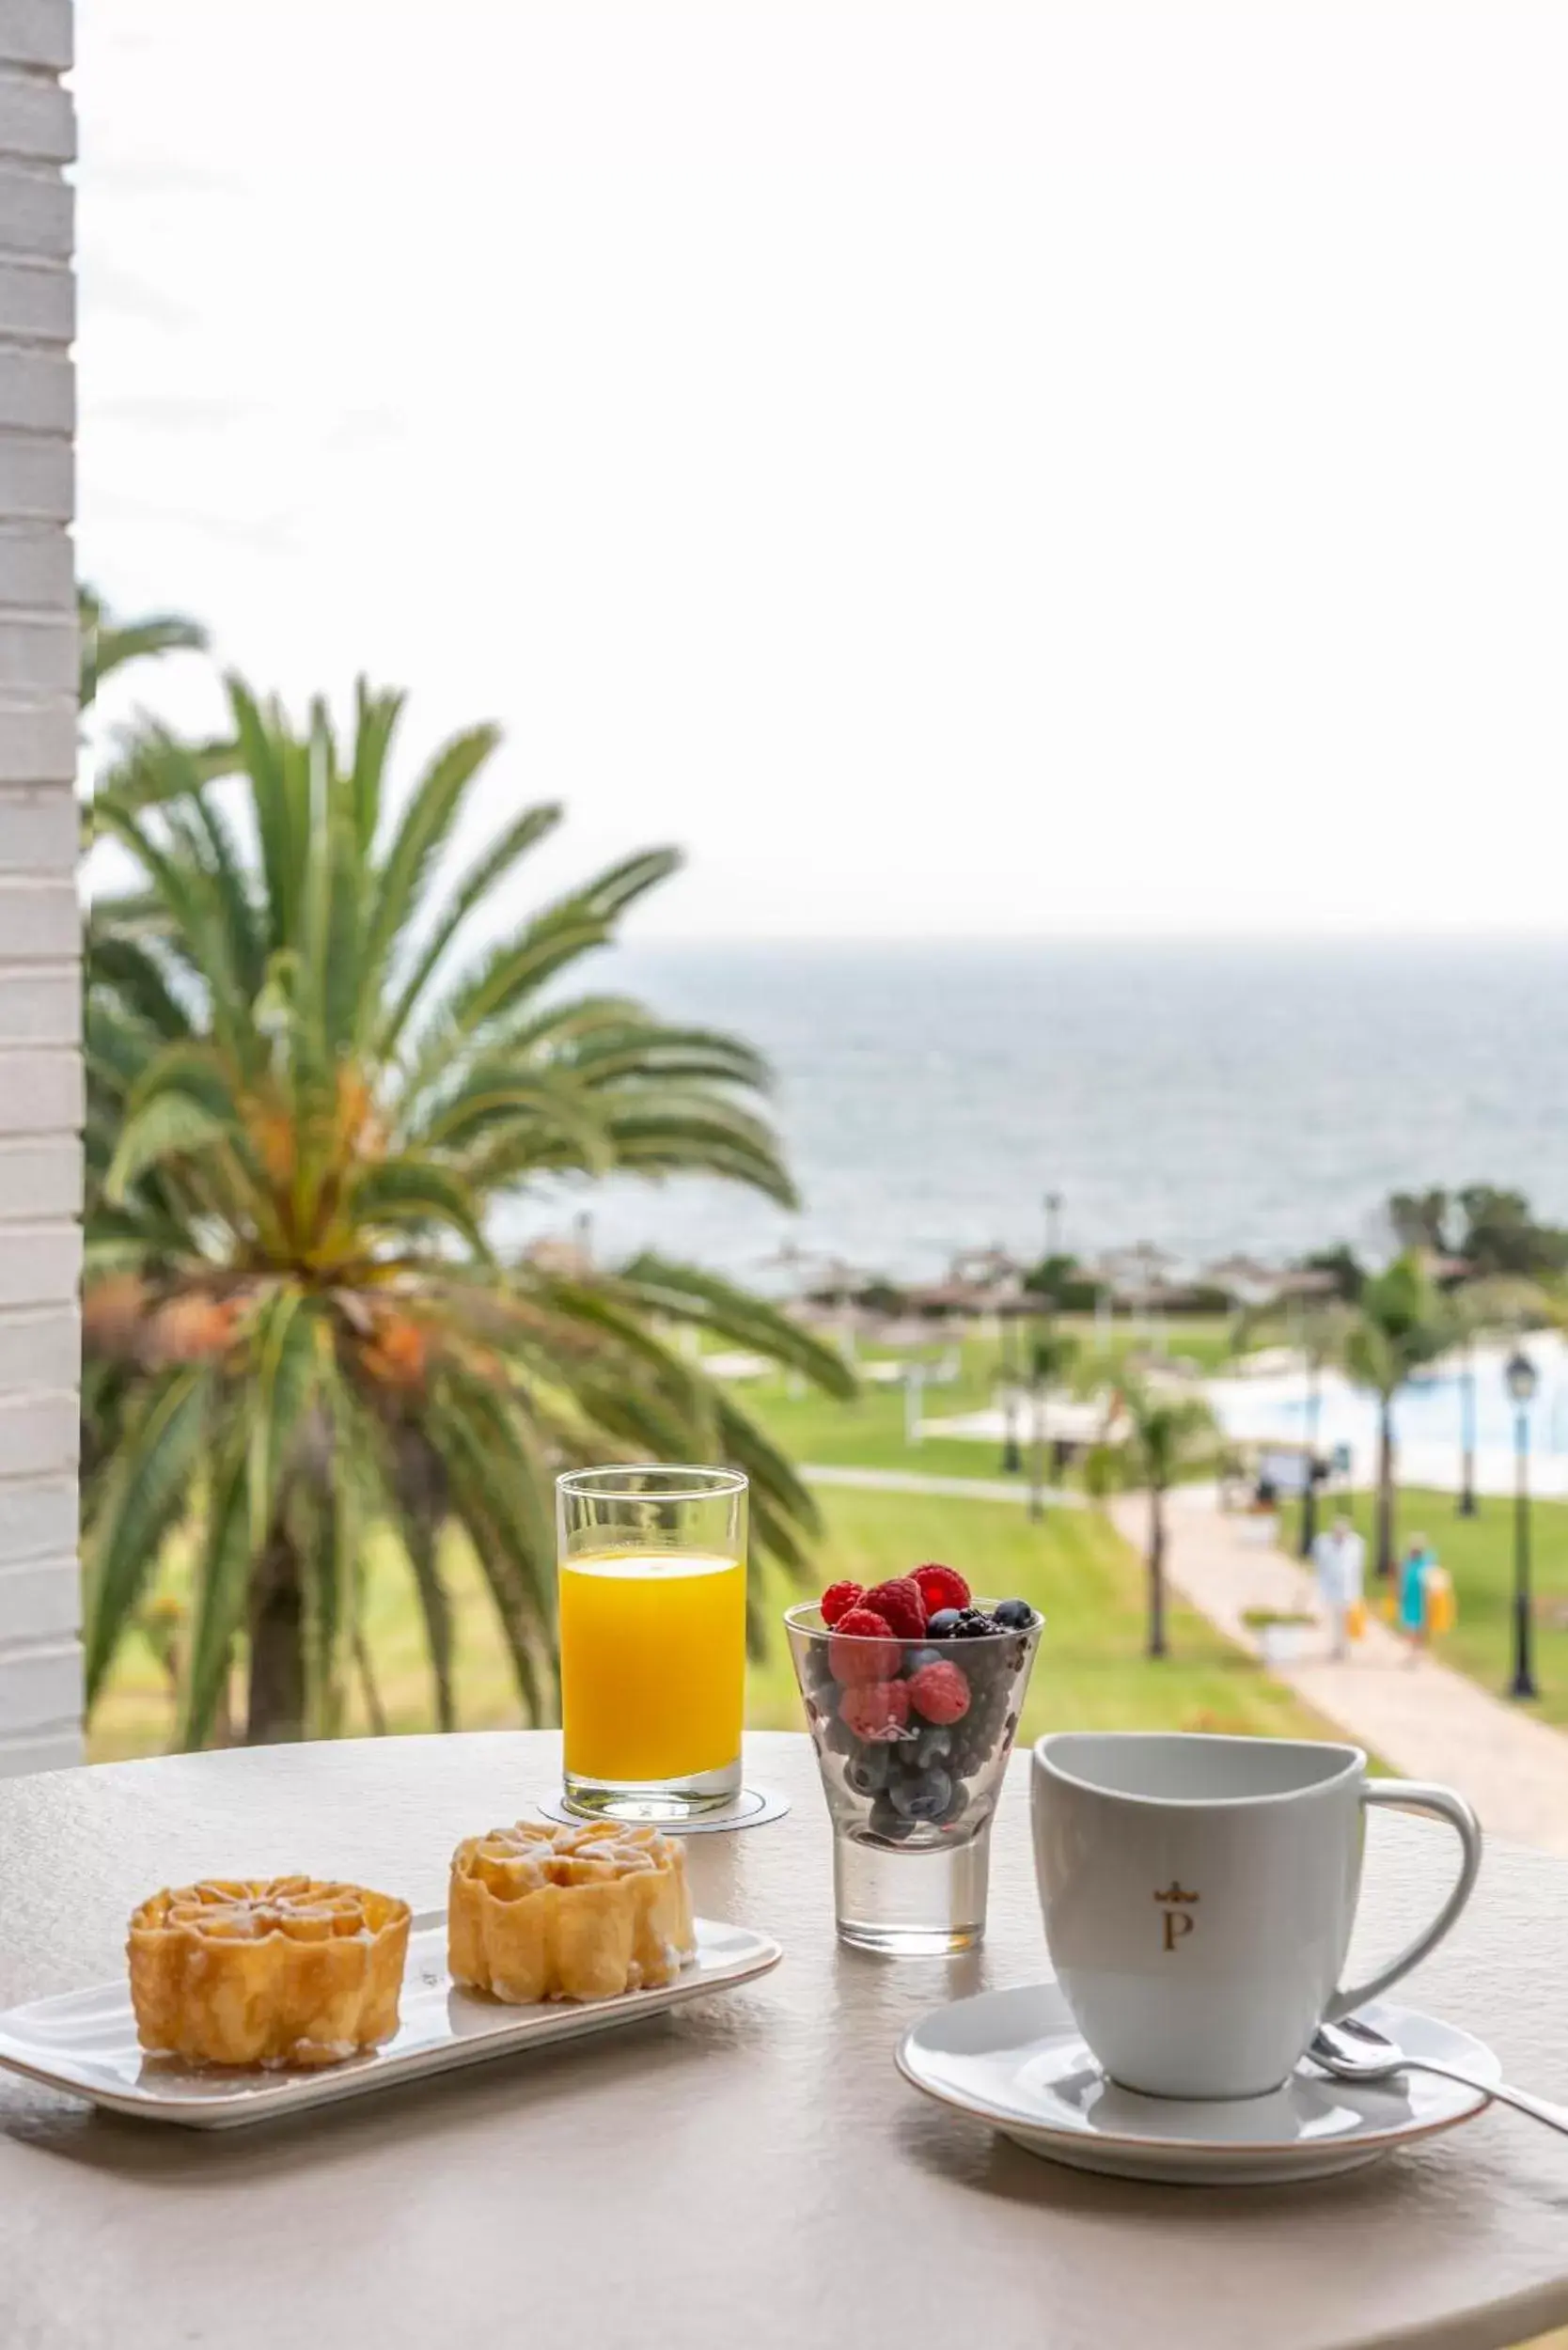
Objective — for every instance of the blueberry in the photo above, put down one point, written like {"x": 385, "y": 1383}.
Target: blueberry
{"x": 926, "y": 1798}
{"x": 838, "y": 1737}
{"x": 868, "y": 1771}
{"x": 943, "y": 1624}
{"x": 885, "y": 1822}
{"x": 933, "y": 1746}
{"x": 913, "y": 1658}
{"x": 1014, "y": 1615}
{"x": 958, "y": 1802}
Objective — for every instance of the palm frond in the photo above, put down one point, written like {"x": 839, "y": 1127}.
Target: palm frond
{"x": 689, "y": 1294}
{"x": 220, "y": 1586}
{"x": 416, "y": 1191}
{"x": 130, "y": 971}
{"x": 427, "y": 824}
{"x": 172, "y": 1124}
{"x": 289, "y": 1355}
{"x": 497, "y": 1491}
{"x": 473, "y": 888}
{"x": 376, "y": 717}
{"x": 160, "y": 1448}
{"x": 109, "y": 643}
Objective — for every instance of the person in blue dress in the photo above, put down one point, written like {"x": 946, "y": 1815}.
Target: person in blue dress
{"x": 1413, "y": 1611}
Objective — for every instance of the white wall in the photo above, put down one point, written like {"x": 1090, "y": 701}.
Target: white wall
{"x": 40, "y": 1076}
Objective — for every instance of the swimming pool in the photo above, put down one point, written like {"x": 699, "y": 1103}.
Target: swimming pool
{"x": 1429, "y": 1414}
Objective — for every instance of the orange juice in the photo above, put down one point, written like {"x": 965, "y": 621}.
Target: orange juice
{"x": 652, "y": 1664}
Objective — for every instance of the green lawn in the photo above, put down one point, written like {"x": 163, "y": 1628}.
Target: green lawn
{"x": 1090, "y": 1671}
{"x": 1479, "y": 1554}
{"x": 869, "y": 1432}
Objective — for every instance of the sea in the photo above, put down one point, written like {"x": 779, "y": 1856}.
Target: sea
{"x": 1205, "y": 1098}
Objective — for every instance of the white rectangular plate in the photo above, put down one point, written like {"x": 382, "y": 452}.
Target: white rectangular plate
{"x": 85, "y": 2041}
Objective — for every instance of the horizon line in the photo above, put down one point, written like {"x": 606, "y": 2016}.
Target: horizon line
{"x": 1434, "y": 936}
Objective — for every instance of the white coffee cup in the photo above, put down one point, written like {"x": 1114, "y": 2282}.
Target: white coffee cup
{"x": 1198, "y": 1895}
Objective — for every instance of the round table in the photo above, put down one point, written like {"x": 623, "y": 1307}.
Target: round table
{"x": 749, "y": 2170}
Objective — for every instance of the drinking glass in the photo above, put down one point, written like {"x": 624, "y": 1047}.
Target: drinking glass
{"x": 652, "y": 1638}
{"x": 911, "y": 1802}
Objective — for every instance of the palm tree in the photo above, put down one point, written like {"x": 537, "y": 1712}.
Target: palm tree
{"x": 1166, "y": 1433}
{"x": 131, "y": 777}
{"x": 1318, "y": 1326}
{"x": 1401, "y": 1321}
{"x": 109, "y": 642}
{"x": 305, "y": 1094}
{"x": 1493, "y": 1303}
{"x": 1053, "y": 1355}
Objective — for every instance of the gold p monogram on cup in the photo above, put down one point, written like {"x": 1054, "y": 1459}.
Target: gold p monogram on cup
{"x": 1178, "y": 1920}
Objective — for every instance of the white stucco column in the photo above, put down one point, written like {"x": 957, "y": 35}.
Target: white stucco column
{"x": 41, "y": 1073}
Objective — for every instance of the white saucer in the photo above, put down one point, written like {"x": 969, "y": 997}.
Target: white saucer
{"x": 1015, "y": 2059}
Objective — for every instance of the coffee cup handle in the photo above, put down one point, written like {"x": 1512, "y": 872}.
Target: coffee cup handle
{"x": 1404, "y": 1794}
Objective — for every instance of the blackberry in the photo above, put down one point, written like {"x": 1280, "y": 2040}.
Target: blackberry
{"x": 973, "y": 1624}
{"x": 976, "y": 1738}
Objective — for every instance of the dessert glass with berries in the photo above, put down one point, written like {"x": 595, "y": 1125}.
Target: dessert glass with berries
{"x": 913, "y": 1691}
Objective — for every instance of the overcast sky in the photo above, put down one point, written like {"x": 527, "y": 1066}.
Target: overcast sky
{"x": 958, "y": 469}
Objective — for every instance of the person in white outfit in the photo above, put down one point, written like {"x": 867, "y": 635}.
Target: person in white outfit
{"x": 1339, "y": 1557}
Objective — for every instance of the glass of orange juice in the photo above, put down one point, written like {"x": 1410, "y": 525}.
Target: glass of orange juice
{"x": 652, "y": 1638}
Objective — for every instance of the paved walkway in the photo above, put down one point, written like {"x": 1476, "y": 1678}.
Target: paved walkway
{"x": 1423, "y": 1719}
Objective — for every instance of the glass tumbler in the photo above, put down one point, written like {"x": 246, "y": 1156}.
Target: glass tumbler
{"x": 652, "y": 1638}
{"x": 911, "y": 1800}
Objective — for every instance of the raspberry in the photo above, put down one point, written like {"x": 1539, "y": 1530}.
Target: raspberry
{"x": 941, "y": 1587}
{"x": 838, "y": 1599}
{"x": 875, "y": 1710}
{"x": 902, "y": 1605}
{"x": 862, "y": 1648}
{"x": 940, "y": 1692}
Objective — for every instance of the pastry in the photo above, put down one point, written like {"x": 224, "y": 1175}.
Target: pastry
{"x": 273, "y": 1971}
{"x": 538, "y": 1912}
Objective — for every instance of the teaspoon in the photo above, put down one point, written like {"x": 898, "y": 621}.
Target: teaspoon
{"x": 1355, "y": 2051}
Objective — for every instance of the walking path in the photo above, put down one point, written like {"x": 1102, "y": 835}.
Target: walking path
{"x": 1423, "y": 1719}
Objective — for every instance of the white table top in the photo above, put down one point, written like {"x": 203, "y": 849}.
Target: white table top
{"x": 750, "y": 2170}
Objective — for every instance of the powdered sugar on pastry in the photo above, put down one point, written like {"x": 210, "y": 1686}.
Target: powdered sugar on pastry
{"x": 276, "y": 1971}
{"x": 544, "y": 1912}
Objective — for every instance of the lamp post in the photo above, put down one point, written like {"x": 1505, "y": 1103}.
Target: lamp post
{"x": 1040, "y": 1352}
{"x": 1521, "y": 1377}
{"x": 1309, "y": 1485}
{"x": 1467, "y": 1505}
{"x": 1012, "y": 1460}
{"x": 1036, "y": 1428}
